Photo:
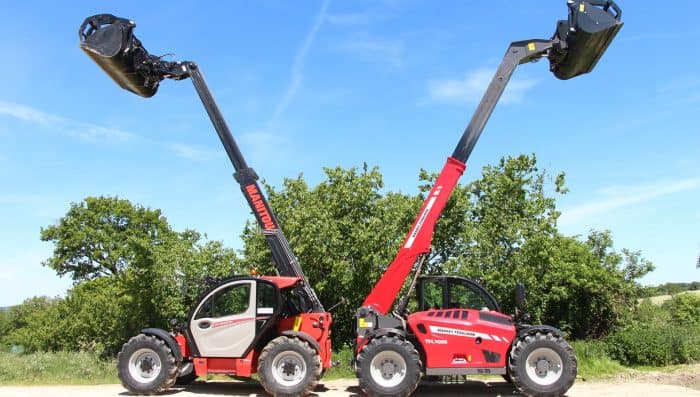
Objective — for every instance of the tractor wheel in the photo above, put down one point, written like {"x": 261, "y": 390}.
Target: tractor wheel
{"x": 146, "y": 365}
{"x": 388, "y": 366}
{"x": 542, "y": 365}
{"x": 289, "y": 367}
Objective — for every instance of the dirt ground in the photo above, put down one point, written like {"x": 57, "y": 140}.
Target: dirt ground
{"x": 685, "y": 382}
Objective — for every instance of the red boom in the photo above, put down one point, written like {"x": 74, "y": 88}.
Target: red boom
{"x": 418, "y": 240}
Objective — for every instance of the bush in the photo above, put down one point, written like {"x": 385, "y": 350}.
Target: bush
{"x": 684, "y": 309}
{"x": 648, "y": 344}
{"x": 594, "y": 360}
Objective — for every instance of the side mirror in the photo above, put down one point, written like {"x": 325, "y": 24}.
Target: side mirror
{"x": 110, "y": 42}
{"x": 581, "y": 40}
{"x": 520, "y": 295}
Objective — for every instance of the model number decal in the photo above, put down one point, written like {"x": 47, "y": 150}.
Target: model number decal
{"x": 465, "y": 334}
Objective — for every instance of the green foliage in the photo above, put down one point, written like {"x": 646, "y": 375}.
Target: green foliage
{"x": 507, "y": 233}
{"x": 102, "y": 236}
{"x": 500, "y": 229}
{"x": 648, "y": 344}
{"x": 131, "y": 271}
{"x": 659, "y": 335}
{"x": 684, "y": 309}
{"x": 4, "y": 322}
{"x": 344, "y": 232}
{"x": 594, "y": 360}
{"x": 56, "y": 368}
{"x": 342, "y": 368}
{"x": 670, "y": 288}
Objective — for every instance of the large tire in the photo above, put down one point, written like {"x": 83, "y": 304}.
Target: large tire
{"x": 289, "y": 367}
{"x": 146, "y": 365}
{"x": 388, "y": 366}
{"x": 542, "y": 365}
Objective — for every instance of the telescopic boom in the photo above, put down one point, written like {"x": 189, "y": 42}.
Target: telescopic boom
{"x": 110, "y": 42}
{"x": 577, "y": 45}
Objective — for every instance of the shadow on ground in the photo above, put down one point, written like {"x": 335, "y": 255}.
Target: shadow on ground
{"x": 347, "y": 388}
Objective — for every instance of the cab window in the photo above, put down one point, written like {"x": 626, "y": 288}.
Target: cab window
{"x": 226, "y": 302}
{"x": 266, "y": 297}
{"x": 461, "y": 296}
{"x": 432, "y": 294}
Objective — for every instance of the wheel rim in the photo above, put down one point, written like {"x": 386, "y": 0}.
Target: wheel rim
{"x": 544, "y": 366}
{"x": 144, "y": 365}
{"x": 288, "y": 368}
{"x": 388, "y": 368}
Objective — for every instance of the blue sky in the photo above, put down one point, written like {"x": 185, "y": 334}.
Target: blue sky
{"x": 313, "y": 84}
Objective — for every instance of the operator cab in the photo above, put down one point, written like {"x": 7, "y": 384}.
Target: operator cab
{"x": 451, "y": 292}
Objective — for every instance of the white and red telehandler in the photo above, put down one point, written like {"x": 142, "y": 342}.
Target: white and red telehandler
{"x": 273, "y": 325}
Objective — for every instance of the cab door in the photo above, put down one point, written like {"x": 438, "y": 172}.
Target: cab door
{"x": 224, "y": 323}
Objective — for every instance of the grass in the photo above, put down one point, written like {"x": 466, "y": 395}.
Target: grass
{"x": 84, "y": 368}
{"x": 342, "y": 369}
{"x": 65, "y": 368}
{"x": 594, "y": 362}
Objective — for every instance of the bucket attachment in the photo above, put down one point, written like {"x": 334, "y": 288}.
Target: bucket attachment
{"x": 580, "y": 41}
{"x": 110, "y": 42}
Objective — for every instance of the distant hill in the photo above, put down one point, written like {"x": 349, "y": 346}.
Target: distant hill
{"x": 660, "y": 299}
{"x": 669, "y": 288}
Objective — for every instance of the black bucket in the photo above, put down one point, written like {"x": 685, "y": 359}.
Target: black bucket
{"x": 110, "y": 42}
{"x": 583, "y": 39}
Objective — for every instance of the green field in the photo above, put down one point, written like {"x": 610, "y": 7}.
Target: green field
{"x": 68, "y": 368}
{"x": 660, "y": 299}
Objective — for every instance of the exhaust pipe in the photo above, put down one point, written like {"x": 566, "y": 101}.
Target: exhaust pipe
{"x": 580, "y": 41}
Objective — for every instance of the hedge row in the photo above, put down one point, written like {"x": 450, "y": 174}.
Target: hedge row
{"x": 654, "y": 344}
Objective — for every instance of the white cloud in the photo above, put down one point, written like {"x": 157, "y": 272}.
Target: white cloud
{"x": 376, "y": 49}
{"x": 193, "y": 152}
{"x": 263, "y": 144}
{"x": 616, "y": 197}
{"x": 297, "y": 72}
{"x": 78, "y": 129}
{"x": 472, "y": 87}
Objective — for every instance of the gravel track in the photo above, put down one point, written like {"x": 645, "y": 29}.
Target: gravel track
{"x": 348, "y": 387}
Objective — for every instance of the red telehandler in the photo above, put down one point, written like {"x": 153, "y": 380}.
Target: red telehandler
{"x": 275, "y": 326}
{"x": 459, "y": 328}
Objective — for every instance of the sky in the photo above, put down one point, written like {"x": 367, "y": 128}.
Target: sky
{"x": 312, "y": 84}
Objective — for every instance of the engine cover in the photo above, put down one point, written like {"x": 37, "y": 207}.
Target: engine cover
{"x": 455, "y": 339}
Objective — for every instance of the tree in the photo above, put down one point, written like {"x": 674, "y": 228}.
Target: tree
{"x": 131, "y": 270}
{"x": 102, "y": 236}
{"x": 344, "y": 231}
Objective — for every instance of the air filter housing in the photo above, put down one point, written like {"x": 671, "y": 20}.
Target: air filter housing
{"x": 580, "y": 41}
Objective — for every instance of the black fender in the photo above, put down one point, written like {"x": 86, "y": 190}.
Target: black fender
{"x": 379, "y": 332}
{"x": 168, "y": 338}
{"x": 533, "y": 329}
{"x": 305, "y": 337}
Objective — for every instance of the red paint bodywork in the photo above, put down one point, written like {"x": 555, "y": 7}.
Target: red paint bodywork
{"x": 453, "y": 339}
{"x": 282, "y": 282}
{"x": 418, "y": 240}
{"x": 317, "y": 326}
